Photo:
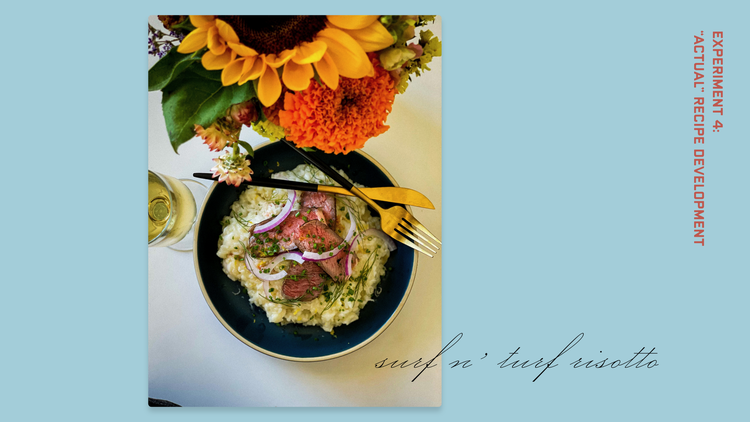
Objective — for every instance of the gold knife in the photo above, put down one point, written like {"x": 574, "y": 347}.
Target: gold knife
{"x": 388, "y": 194}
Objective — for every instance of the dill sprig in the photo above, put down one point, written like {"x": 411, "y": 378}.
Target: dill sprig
{"x": 365, "y": 273}
{"x": 306, "y": 179}
{"x": 243, "y": 222}
{"x": 244, "y": 247}
{"x": 357, "y": 215}
{"x": 358, "y": 282}
{"x": 285, "y": 302}
{"x": 338, "y": 290}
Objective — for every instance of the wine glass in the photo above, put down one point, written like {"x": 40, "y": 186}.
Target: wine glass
{"x": 172, "y": 210}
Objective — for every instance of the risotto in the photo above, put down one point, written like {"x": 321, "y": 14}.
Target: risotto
{"x": 338, "y": 303}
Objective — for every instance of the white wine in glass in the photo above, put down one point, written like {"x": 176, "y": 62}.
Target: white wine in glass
{"x": 171, "y": 211}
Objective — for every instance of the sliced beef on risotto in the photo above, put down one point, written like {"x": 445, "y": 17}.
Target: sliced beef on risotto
{"x": 324, "y": 201}
{"x": 280, "y": 238}
{"x": 303, "y": 281}
{"x": 315, "y": 236}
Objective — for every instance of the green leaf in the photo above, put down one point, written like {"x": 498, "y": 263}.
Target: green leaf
{"x": 185, "y": 26}
{"x": 248, "y": 148}
{"x": 317, "y": 78}
{"x": 168, "y": 68}
{"x": 193, "y": 100}
{"x": 214, "y": 75}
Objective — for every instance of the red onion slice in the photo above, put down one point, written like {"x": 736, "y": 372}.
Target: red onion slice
{"x": 261, "y": 228}
{"x": 252, "y": 265}
{"x": 312, "y": 256}
{"x": 288, "y": 256}
{"x": 352, "y": 226}
{"x": 352, "y": 247}
{"x": 265, "y": 288}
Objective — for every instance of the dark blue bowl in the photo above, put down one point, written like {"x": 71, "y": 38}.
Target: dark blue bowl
{"x": 249, "y": 323}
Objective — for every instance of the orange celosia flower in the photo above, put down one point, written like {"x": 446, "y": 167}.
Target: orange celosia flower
{"x": 340, "y": 120}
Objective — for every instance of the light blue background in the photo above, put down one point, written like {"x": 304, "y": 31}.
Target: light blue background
{"x": 567, "y": 208}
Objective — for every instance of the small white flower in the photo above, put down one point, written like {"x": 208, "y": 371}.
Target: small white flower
{"x": 233, "y": 169}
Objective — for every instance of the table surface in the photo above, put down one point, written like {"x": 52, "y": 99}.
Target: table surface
{"x": 194, "y": 361}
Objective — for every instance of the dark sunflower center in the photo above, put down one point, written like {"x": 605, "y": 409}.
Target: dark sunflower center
{"x": 274, "y": 34}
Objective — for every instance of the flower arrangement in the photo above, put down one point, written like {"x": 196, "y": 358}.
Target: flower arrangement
{"x": 323, "y": 82}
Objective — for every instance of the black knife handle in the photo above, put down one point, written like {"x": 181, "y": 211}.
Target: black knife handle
{"x": 268, "y": 183}
{"x": 333, "y": 174}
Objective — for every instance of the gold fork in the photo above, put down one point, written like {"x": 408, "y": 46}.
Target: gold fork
{"x": 402, "y": 226}
{"x": 395, "y": 221}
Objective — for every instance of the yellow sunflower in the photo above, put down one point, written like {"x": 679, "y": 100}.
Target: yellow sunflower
{"x": 247, "y": 48}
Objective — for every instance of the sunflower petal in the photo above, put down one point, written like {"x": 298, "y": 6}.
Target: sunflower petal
{"x": 328, "y": 72}
{"x": 194, "y": 41}
{"x": 242, "y": 49}
{"x": 373, "y": 38}
{"x": 215, "y": 43}
{"x": 252, "y": 69}
{"x": 231, "y": 73}
{"x": 202, "y": 21}
{"x": 213, "y": 62}
{"x": 351, "y": 60}
{"x": 277, "y": 61}
{"x": 227, "y": 32}
{"x": 310, "y": 52}
{"x": 297, "y": 76}
{"x": 269, "y": 87}
{"x": 353, "y": 21}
